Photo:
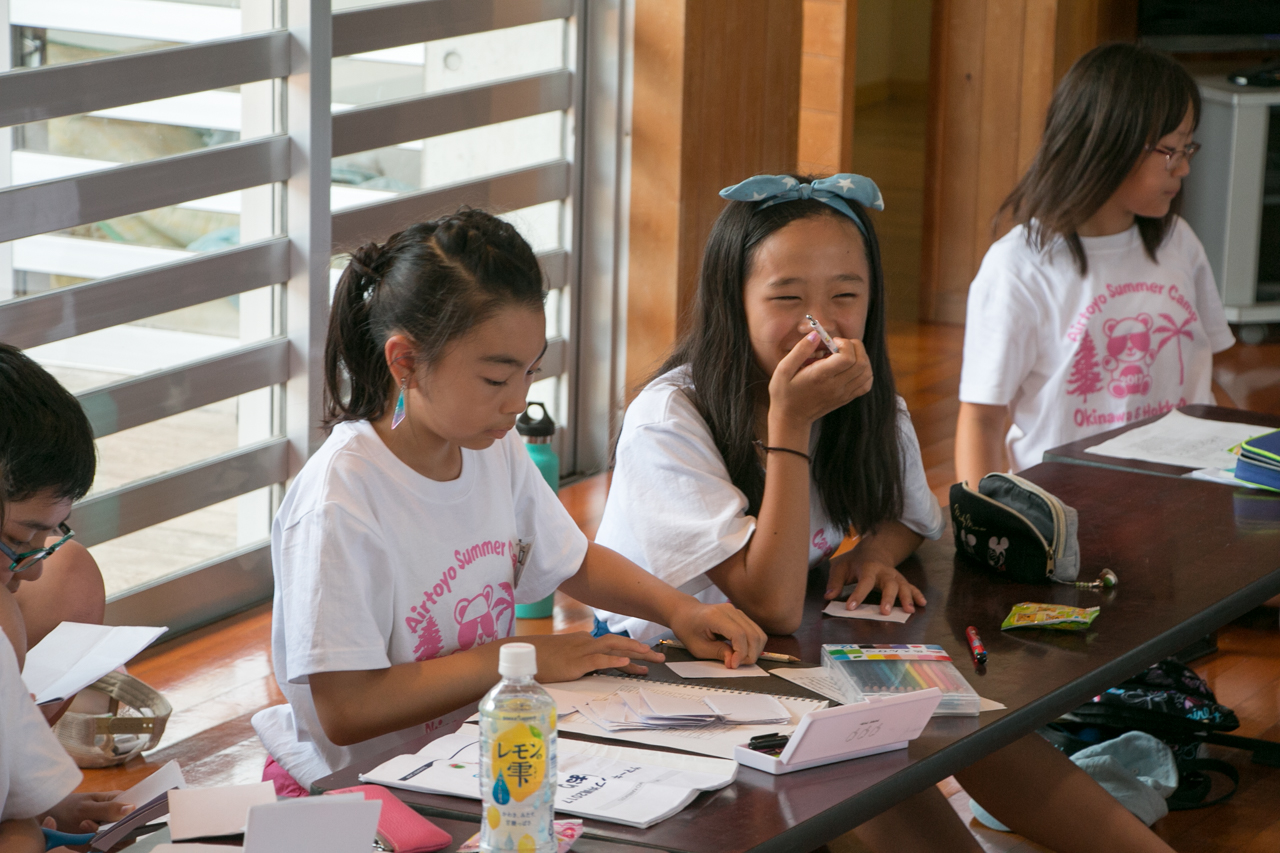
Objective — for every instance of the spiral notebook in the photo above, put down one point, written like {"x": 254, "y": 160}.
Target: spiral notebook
{"x": 716, "y": 740}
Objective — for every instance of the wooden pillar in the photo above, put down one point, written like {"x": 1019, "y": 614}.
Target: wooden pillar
{"x": 993, "y": 69}
{"x": 827, "y": 86}
{"x": 716, "y": 100}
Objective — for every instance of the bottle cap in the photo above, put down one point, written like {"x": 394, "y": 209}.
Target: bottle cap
{"x": 544, "y": 426}
{"x": 517, "y": 659}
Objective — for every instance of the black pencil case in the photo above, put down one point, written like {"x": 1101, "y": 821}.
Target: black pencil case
{"x": 1016, "y": 529}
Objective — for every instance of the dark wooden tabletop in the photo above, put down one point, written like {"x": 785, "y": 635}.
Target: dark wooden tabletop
{"x": 1191, "y": 556}
{"x": 1075, "y": 454}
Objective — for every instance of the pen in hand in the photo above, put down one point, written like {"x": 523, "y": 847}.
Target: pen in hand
{"x": 827, "y": 340}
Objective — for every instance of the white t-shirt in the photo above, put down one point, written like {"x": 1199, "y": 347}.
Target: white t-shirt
{"x": 35, "y": 771}
{"x": 376, "y": 565}
{"x": 674, "y": 511}
{"x": 1076, "y": 355}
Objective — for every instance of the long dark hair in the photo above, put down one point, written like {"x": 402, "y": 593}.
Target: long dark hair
{"x": 857, "y": 464}
{"x": 434, "y": 282}
{"x": 1115, "y": 101}
{"x": 46, "y": 442}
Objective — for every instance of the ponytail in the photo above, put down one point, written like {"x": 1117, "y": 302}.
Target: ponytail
{"x": 433, "y": 282}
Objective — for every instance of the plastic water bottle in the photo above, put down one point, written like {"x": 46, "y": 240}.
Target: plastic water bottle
{"x": 538, "y": 435}
{"x": 517, "y": 758}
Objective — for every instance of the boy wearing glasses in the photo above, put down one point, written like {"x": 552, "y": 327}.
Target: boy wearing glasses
{"x": 48, "y": 459}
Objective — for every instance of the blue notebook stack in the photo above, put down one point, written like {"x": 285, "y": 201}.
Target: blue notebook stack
{"x": 1259, "y": 461}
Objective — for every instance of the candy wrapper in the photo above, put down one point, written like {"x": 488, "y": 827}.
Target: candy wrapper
{"x": 1059, "y": 617}
{"x": 567, "y": 832}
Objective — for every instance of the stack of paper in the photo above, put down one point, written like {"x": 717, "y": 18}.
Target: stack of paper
{"x": 653, "y": 709}
{"x": 634, "y": 787}
{"x": 716, "y": 739}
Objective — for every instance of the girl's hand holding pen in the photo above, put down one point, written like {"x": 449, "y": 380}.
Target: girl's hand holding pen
{"x": 804, "y": 387}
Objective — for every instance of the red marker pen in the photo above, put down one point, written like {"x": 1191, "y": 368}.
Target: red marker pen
{"x": 975, "y": 645}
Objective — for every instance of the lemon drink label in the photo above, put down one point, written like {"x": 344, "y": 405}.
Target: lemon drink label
{"x": 519, "y": 789}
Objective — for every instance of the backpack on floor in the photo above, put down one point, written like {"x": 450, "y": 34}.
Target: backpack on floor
{"x": 1169, "y": 701}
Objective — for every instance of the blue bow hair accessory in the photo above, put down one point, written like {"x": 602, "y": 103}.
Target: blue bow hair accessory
{"x": 775, "y": 189}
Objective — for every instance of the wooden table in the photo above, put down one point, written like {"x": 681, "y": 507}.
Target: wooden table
{"x": 1075, "y": 454}
{"x": 1186, "y": 563}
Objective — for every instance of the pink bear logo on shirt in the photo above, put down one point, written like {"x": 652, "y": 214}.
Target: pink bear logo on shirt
{"x": 1129, "y": 355}
{"x": 475, "y": 616}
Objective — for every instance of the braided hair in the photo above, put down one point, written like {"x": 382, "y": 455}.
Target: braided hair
{"x": 433, "y": 282}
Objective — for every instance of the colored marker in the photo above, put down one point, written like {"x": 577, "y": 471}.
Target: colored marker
{"x": 975, "y": 645}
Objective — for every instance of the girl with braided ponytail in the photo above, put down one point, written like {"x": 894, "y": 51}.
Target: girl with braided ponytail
{"x": 404, "y": 544}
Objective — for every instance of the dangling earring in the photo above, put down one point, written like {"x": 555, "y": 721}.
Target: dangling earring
{"x": 398, "y": 415}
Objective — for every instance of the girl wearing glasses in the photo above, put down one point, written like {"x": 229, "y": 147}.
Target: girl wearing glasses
{"x": 1099, "y": 307}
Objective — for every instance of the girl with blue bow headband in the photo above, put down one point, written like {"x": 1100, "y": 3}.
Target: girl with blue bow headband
{"x": 755, "y": 449}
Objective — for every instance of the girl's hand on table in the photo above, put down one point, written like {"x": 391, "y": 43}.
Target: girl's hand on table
{"x": 719, "y": 632}
{"x": 803, "y": 389}
{"x": 568, "y": 657}
{"x": 871, "y": 575}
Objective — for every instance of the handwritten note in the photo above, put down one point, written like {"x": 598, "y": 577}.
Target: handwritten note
{"x": 1178, "y": 439}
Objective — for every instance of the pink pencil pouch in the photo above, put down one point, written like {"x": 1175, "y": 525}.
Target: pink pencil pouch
{"x": 400, "y": 828}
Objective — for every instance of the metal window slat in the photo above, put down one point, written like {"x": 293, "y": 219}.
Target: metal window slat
{"x": 393, "y": 25}
{"x": 152, "y": 396}
{"x": 198, "y": 595}
{"x": 93, "y": 197}
{"x": 70, "y": 311}
{"x": 555, "y": 268}
{"x": 72, "y": 88}
{"x": 553, "y": 359}
{"x": 508, "y": 191}
{"x": 425, "y": 116}
{"x": 121, "y": 511}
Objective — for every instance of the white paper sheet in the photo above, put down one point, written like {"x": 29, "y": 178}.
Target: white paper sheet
{"x": 990, "y": 705}
{"x": 74, "y": 655}
{"x": 714, "y": 669}
{"x": 717, "y": 739}
{"x": 342, "y": 823}
{"x": 167, "y": 777}
{"x": 209, "y": 812}
{"x": 616, "y": 784}
{"x": 811, "y": 678}
{"x": 748, "y": 708}
{"x": 1178, "y": 439}
{"x": 675, "y": 704}
{"x": 866, "y": 611}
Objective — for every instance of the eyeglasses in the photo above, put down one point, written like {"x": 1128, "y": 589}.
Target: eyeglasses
{"x": 27, "y": 559}
{"x": 1173, "y": 157}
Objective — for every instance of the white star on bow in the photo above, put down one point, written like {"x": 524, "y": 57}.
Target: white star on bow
{"x": 757, "y": 196}
{"x": 845, "y": 184}
{"x": 789, "y": 181}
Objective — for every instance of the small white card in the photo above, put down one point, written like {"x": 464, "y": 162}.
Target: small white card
{"x": 866, "y": 611}
{"x": 990, "y": 705}
{"x": 211, "y": 812}
{"x": 167, "y": 777}
{"x": 343, "y": 823}
{"x": 714, "y": 669}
